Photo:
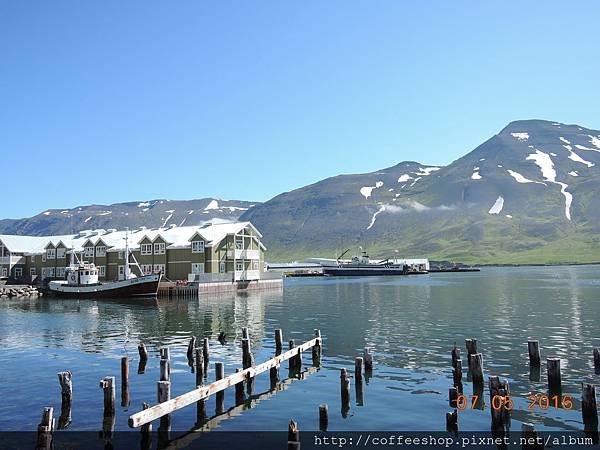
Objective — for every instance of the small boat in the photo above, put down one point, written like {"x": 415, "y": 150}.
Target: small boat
{"x": 453, "y": 268}
{"x": 360, "y": 266}
{"x": 81, "y": 281}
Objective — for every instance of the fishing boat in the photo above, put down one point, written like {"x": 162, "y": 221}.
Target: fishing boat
{"x": 81, "y": 281}
{"x": 361, "y": 265}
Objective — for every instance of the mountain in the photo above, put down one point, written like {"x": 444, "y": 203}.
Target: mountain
{"x": 526, "y": 195}
{"x": 150, "y": 213}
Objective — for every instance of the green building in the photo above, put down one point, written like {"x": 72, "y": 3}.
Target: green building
{"x": 211, "y": 252}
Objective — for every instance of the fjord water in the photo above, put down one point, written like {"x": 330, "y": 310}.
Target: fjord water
{"x": 410, "y": 322}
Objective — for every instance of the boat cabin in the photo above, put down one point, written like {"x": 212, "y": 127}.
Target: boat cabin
{"x": 85, "y": 273}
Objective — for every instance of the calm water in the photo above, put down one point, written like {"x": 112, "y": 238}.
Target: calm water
{"x": 410, "y": 322}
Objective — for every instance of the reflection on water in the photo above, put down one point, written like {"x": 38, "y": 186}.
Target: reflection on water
{"x": 411, "y": 323}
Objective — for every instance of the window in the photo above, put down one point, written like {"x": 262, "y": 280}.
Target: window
{"x": 4, "y": 272}
{"x": 32, "y": 260}
{"x": 60, "y": 272}
{"x": 51, "y": 272}
{"x": 239, "y": 266}
{"x": 239, "y": 242}
{"x": 197, "y": 246}
{"x": 88, "y": 252}
{"x": 255, "y": 264}
{"x": 101, "y": 250}
{"x": 43, "y": 257}
{"x": 18, "y": 272}
{"x": 51, "y": 253}
{"x": 146, "y": 249}
{"x": 61, "y": 252}
{"x": 159, "y": 268}
{"x": 102, "y": 271}
{"x": 197, "y": 268}
{"x": 32, "y": 271}
{"x": 222, "y": 267}
{"x": 146, "y": 269}
{"x": 159, "y": 248}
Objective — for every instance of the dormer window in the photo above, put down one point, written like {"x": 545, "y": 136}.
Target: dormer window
{"x": 146, "y": 249}
{"x": 197, "y": 246}
{"x": 159, "y": 248}
{"x": 88, "y": 252}
{"x": 61, "y": 252}
{"x": 101, "y": 250}
{"x": 51, "y": 253}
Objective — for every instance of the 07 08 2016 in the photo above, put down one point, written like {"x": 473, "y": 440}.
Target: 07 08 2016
{"x": 536, "y": 402}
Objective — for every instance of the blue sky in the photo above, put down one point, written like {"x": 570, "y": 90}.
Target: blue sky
{"x": 102, "y": 102}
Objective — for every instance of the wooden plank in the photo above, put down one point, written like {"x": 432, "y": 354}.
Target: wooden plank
{"x": 201, "y": 392}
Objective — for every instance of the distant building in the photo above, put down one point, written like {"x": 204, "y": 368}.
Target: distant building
{"x": 179, "y": 253}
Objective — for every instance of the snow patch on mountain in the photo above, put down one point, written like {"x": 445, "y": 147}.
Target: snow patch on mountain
{"x": 544, "y": 162}
{"x": 581, "y": 147}
{"x": 404, "y": 178}
{"x": 424, "y": 171}
{"x": 212, "y": 205}
{"x": 520, "y": 136}
{"x": 497, "y": 206}
{"x": 476, "y": 175}
{"x": 375, "y": 214}
{"x": 564, "y": 140}
{"x": 143, "y": 204}
{"x": 521, "y": 179}
{"x": 594, "y": 140}
{"x": 573, "y": 173}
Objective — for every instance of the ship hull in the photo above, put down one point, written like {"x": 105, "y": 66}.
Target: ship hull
{"x": 367, "y": 271}
{"x": 146, "y": 286}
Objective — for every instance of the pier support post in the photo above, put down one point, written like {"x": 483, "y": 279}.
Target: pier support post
{"x": 471, "y": 345}
{"x": 165, "y": 370}
{"x": 278, "y": 342}
{"x": 45, "y": 429}
{"x": 199, "y": 366}
{"x": 345, "y": 391}
{"x": 66, "y": 390}
{"x": 368, "y": 359}
{"x": 292, "y": 361}
{"x": 165, "y": 353}
{"x": 293, "y": 436}
{"x": 108, "y": 386}
{"x": 124, "y": 381}
{"x": 554, "y": 376}
{"x": 455, "y": 355}
{"x": 247, "y": 361}
{"x": 457, "y": 375}
{"x": 597, "y": 360}
{"x": 323, "y": 417}
{"x": 316, "y": 350}
{"x": 589, "y": 409}
{"x": 239, "y": 390}
{"x": 220, "y": 396}
{"x": 163, "y": 391}
{"x": 191, "y": 348}
{"x": 452, "y": 396}
{"x": 358, "y": 369}
{"x": 143, "y": 352}
{"x": 245, "y": 334}
{"x": 452, "y": 420}
{"x": 476, "y": 367}
{"x": 205, "y": 352}
{"x": 533, "y": 347}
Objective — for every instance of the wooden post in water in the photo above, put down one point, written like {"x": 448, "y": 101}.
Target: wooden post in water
{"x": 274, "y": 376}
{"x": 452, "y": 420}
{"x": 457, "y": 374}
{"x": 165, "y": 353}
{"x": 292, "y": 361}
{"x": 239, "y": 390}
{"x": 163, "y": 391}
{"x": 316, "y": 350}
{"x": 476, "y": 366}
{"x": 589, "y": 409}
{"x": 323, "y": 417}
{"x": 220, "y": 396}
{"x": 45, "y": 429}
{"x": 495, "y": 405}
{"x": 143, "y": 352}
{"x": 245, "y": 334}
{"x": 452, "y": 396}
{"x": 597, "y": 360}
{"x": 199, "y": 366}
{"x": 66, "y": 390}
{"x": 278, "y": 342}
{"x": 530, "y": 438}
{"x": 147, "y": 428}
{"x": 345, "y": 391}
{"x": 293, "y": 436}
{"x": 358, "y": 369}
{"x": 191, "y": 348}
{"x": 247, "y": 361}
{"x": 205, "y": 351}
{"x": 455, "y": 355}
{"x": 533, "y": 348}
{"x": 554, "y": 376}
{"x": 165, "y": 370}
{"x": 124, "y": 381}
{"x": 108, "y": 386}
{"x": 368, "y": 359}
{"x": 471, "y": 345}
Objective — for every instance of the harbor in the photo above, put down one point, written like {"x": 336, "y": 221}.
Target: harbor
{"x": 409, "y": 324}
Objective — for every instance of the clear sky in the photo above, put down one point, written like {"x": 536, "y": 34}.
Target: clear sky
{"x": 110, "y": 101}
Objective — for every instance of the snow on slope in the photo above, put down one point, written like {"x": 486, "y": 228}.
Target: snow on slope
{"x": 544, "y": 162}
{"x": 497, "y": 206}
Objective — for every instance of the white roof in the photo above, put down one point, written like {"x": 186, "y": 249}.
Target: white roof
{"x": 175, "y": 237}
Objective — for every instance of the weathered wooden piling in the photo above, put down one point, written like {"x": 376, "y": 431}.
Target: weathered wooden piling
{"x": 239, "y": 390}
{"x": 191, "y": 348}
{"x": 597, "y": 360}
{"x": 471, "y": 345}
{"x": 554, "y": 375}
{"x": 274, "y": 376}
{"x": 220, "y": 396}
{"x": 292, "y": 361}
{"x": 108, "y": 386}
{"x": 368, "y": 359}
{"x": 65, "y": 380}
{"x": 323, "y": 417}
{"x": 452, "y": 420}
{"x": 147, "y": 428}
{"x": 199, "y": 366}
{"x": 164, "y": 353}
{"x": 278, "y": 341}
{"x": 533, "y": 348}
{"x": 124, "y": 381}
{"x": 163, "y": 394}
{"x": 530, "y": 439}
{"x": 245, "y": 334}
{"x": 293, "y": 436}
{"x": 476, "y": 367}
{"x": 452, "y": 396}
{"x": 457, "y": 373}
{"x": 316, "y": 350}
{"x": 358, "y": 369}
{"x": 455, "y": 353}
{"x": 589, "y": 409}
{"x": 345, "y": 391}
{"x": 205, "y": 351}
{"x": 165, "y": 370}
{"x": 45, "y": 429}
{"x": 498, "y": 392}
{"x": 247, "y": 359}
{"x": 143, "y": 352}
